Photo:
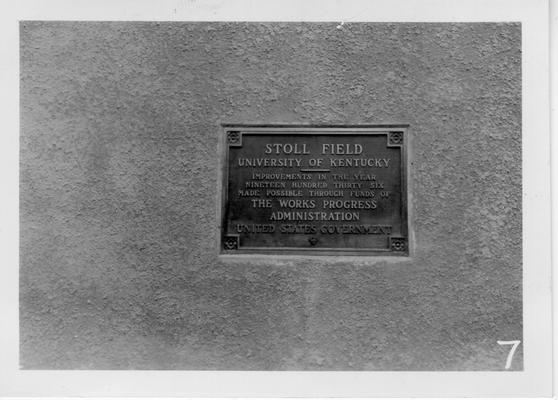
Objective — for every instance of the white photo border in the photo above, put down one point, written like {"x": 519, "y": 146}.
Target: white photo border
{"x": 536, "y": 378}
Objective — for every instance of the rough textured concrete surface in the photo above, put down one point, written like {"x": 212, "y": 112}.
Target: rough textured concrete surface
{"x": 120, "y": 125}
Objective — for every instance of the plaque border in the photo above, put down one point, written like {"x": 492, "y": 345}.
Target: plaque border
{"x": 397, "y": 135}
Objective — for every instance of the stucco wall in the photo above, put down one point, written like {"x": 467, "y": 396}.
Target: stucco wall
{"x": 119, "y": 174}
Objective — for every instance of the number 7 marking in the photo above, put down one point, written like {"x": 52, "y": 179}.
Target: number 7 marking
{"x": 514, "y": 344}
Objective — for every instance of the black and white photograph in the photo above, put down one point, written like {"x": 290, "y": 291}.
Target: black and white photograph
{"x": 202, "y": 188}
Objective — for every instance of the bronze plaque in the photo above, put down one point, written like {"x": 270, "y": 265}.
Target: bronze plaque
{"x": 315, "y": 190}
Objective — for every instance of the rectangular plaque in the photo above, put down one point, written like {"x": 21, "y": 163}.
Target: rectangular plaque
{"x": 315, "y": 190}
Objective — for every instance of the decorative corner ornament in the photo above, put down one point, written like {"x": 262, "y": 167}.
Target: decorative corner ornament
{"x": 234, "y": 138}
{"x": 231, "y": 242}
{"x": 395, "y": 139}
{"x": 397, "y": 244}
